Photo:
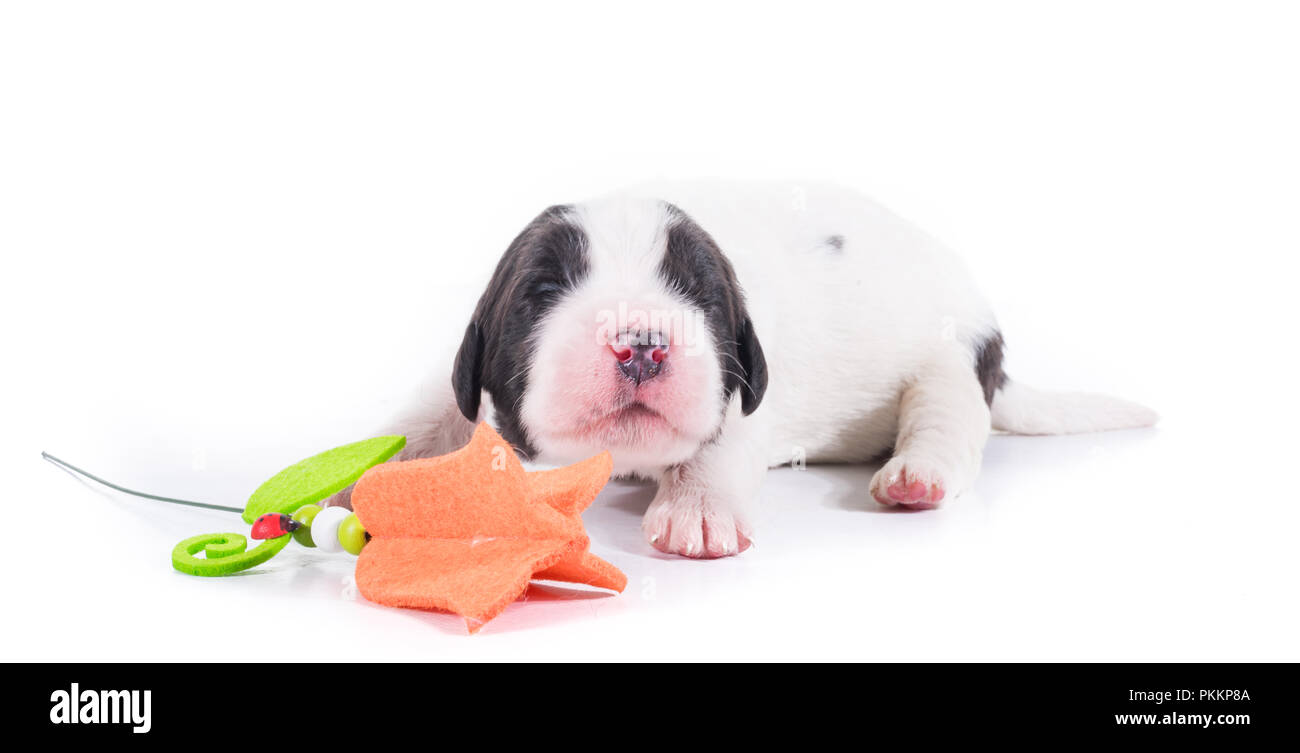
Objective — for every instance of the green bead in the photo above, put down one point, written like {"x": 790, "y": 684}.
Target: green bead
{"x": 305, "y": 515}
{"x": 351, "y": 535}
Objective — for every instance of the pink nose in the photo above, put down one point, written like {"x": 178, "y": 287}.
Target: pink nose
{"x": 640, "y": 358}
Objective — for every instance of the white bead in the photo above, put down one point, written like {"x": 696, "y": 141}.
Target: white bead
{"x": 325, "y": 528}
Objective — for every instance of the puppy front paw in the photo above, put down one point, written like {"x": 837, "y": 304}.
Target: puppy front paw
{"x": 690, "y": 526}
{"x": 910, "y": 482}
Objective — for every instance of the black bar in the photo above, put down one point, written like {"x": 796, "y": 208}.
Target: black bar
{"x": 974, "y": 702}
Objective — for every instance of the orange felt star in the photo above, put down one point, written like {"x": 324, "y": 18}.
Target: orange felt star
{"x": 467, "y": 531}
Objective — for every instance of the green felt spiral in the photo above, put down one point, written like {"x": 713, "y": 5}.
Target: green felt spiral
{"x": 226, "y": 553}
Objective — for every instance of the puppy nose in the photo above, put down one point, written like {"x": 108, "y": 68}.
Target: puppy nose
{"x": 640, "y": 357}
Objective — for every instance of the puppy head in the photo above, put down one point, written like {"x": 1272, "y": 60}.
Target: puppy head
{"x": 617, "y": 325}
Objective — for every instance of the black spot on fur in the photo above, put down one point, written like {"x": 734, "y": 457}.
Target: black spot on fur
{"x": 988, "y": 366}
{"x": 543, "y": 262}
{"x": 695, "y": 266}
{"x": 835, "y": 242}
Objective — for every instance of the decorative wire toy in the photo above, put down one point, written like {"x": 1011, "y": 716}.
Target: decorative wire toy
{"x": 464, "y": 532}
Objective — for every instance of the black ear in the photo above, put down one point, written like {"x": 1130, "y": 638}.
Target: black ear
{"x": 467, "y": 374}
{"x": 751, "y": 358}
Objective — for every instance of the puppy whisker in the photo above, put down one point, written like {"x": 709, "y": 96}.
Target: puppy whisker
{"x": 741, "y": 378}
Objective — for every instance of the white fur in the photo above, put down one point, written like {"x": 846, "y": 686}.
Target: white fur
{"x": 1020, "y": 409}
{"x": 868, "y": 347}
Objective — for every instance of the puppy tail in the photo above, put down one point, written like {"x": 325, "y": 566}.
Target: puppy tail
{"x": 1019, "y": 409}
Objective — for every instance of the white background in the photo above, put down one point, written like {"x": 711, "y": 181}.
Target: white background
{"x": 239, "y": 234}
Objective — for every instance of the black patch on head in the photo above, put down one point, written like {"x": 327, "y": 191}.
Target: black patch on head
{"x": 988, "y": 366}
{"x": 543, "y": 262}
{"x": 695, "y": 267}
{"x": 836, "y": 242}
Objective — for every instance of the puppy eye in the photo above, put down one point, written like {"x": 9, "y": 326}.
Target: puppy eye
{"x": 546, "y": 288}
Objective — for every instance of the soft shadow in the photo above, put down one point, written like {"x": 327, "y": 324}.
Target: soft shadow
{"x": 628, "y": 497}
{"x": 540, "y": 591}
{"x": 850, "y": 488}
{"x": 1006, "y": 455}
{"x": 849, "y": 484}
{"x": 615, "y": 518}
{"x": 444, "y": 622}
{"x": 540, "y": 605}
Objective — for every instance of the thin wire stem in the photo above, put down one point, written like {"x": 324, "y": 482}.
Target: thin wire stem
{"x": 111, "y": 485}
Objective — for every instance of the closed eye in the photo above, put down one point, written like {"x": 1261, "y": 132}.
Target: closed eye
{"x": 547, "y": 289}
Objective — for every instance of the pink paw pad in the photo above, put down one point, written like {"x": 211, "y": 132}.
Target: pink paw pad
{"x": 911, "y": 492}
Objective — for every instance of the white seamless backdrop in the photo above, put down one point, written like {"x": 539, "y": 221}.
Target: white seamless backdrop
{"x": 236, "y": 234}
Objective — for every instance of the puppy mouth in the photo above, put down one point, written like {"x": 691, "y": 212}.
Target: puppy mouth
{"x": 634, "y": 411}
{"x": 627, "y": 423}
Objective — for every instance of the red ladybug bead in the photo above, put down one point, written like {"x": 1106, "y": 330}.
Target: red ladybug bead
{"x": 273, "y": 525}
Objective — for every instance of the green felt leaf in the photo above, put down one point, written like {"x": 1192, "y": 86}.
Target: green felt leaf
{"x": 225, "y": 553}
{"x": 319, "y": 476}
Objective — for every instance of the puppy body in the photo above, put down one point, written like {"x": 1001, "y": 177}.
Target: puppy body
{"x": 852, "y": 304}
{"x": 782, "y": 323}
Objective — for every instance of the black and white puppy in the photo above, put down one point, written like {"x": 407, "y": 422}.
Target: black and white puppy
{"x": 703, "y": 333}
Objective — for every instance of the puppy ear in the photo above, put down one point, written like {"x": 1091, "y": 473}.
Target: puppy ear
{"x": 750, "y": 353}
{"x": 467, "y": 374}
